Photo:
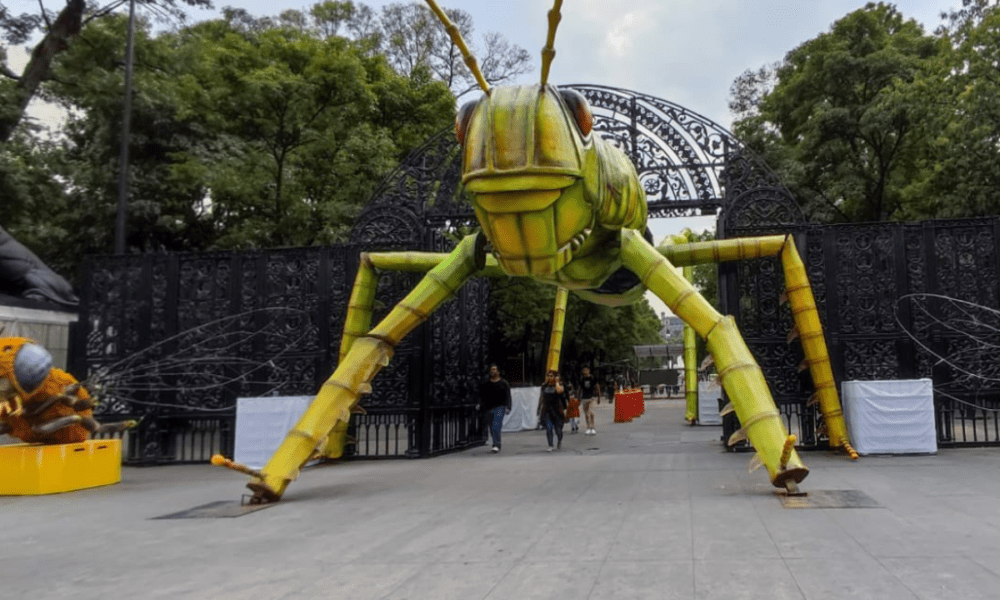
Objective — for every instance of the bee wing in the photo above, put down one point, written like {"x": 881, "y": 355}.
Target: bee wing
{"x": 205, "y": 366}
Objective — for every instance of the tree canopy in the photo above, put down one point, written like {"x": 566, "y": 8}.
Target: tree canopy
{"x": 960, "y": 163}
{"x": 241, "y": 137}
{"x": 593, "y": 335}
{"x": 58, "y": 32}
{"x": 409, "y": 36}
{"x": 839, "y": 125}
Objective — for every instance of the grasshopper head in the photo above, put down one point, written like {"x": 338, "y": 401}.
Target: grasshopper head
{"x": 525, "y": 149}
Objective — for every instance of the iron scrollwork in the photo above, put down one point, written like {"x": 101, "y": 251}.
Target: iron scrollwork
{"x": 680, "y": 155}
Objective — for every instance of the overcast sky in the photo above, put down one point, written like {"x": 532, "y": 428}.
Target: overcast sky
{"x": 685, "y": 51}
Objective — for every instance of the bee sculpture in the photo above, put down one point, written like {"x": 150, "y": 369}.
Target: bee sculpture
{"x": 42, "y": 404}
{"x": 559, "y": 204}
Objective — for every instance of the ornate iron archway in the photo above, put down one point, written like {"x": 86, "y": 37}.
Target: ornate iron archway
{"x": 688, "y": 164}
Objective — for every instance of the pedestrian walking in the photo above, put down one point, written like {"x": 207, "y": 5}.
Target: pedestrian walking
{"x": 590, "y": 392}
{"x": 494, "y": 400}
{"x": 573, "y": 408}
{"x": 551, "y": 407}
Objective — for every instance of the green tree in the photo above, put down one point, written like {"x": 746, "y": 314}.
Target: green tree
{"x": 69, "y": 216}
{"x": 58, "y": 32}
{"x": 961, "y": 174}
{"x": 32, "y": 198}
{"x": 408, "y": 35}
{"x": 838, "y": 125}
{"x": 242, "y": 137}
{"x": 276, "y": 99}
{"x": 412, "y": 39}
{"x": 593, "y": 334}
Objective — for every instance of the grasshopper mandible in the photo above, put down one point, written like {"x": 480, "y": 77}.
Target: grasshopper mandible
{"x": 559, "y": 204}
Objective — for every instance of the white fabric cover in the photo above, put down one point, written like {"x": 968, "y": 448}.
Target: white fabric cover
{"x": 890, "y": 417}
{"x": 709, "y": 393}
{"x": 524, "y": 406}
{"x": 261, "y": 425}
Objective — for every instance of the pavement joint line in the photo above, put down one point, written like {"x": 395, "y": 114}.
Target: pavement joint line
{"x": 784, "y": 560}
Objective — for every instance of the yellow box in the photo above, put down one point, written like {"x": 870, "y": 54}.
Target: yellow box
{"x": 30, "y": 469}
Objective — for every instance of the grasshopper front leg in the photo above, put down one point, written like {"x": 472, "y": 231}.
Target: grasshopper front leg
{"x": 741, "y": 377}
{"x": 364, "y": 356}
{"x": 804, "y": 313}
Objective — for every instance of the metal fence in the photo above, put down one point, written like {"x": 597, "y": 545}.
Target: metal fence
{"x": 897, "y": 301}
{"x": 175, "y": 339}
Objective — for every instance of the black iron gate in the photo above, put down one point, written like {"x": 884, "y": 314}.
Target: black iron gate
{"x": 877, "y": 286}
{"x": 132, "y": 303}
{"x": 422, "y": 404}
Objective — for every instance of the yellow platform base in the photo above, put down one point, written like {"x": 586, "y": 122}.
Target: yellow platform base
{"x": 31, "y": 469}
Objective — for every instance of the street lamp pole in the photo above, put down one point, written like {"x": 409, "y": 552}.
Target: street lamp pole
{"x": 126, "y": 123}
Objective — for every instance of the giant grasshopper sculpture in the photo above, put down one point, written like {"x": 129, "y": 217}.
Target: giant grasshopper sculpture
{"x": 561, "y": 205}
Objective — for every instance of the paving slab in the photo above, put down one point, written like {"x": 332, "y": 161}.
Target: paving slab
{"x": 648, "y": 509}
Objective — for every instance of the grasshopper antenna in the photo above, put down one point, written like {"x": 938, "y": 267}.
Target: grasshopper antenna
{"x": 470, "y": 60}
{"x": 549, "y": 51}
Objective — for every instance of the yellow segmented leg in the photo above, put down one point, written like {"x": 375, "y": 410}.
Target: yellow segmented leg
{"x": 360, "y": 309}
{"x": 558, "y": 324}
{"x": 703, "y": 253}
{"x": 690, "y": 365}
{"x": 741, "y": 377}
{"x": 364, "y": 358}
{"x": 690, "y": 347}
{"x": 804, "y": 312}
{"x": 810, "y": 332}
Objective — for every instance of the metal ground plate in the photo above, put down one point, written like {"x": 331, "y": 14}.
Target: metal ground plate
{"x": 217, "y": 510}
{"x": 828, "y": 499}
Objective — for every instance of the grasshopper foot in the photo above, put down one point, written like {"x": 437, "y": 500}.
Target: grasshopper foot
{"x": 262, "y": 494}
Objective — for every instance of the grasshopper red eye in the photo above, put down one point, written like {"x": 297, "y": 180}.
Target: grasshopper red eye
{"x": 580, "y": 109}
{"x": 462, "y": 120}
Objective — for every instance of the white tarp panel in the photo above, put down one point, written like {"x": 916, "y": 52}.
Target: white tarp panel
{"x": 261, "y": 425}
{"x": 890, "y": 417}
{"x": 524, "y": 406}
{"x": 709, "y": 393}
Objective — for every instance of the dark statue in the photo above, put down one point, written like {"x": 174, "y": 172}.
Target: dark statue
{"x": 24, "y": 275}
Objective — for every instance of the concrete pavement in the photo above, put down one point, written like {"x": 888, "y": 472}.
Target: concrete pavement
{"x": 649, "y": 509}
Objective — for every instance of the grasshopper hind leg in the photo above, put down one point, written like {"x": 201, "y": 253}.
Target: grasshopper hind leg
{"x": 739, "y": 373}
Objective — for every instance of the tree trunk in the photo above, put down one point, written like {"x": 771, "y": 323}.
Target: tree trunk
{"x": 67, "y": 25}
